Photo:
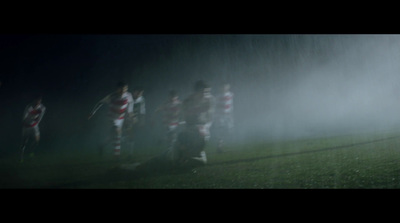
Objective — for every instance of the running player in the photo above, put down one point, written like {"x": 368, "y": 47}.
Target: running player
{"x": 120, "y": 103}
{"x": 32, "y": 116}
{"x": 197, "y": 110}
{"x": 171, "y": 117}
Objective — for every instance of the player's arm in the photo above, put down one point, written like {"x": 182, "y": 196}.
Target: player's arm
{"x": 42, "y": 114}
{"x": 99, "y": 105}
{"x": 130, "y": 105}
{"x": 143, "y": 107}
{"x": 142, "y": 113}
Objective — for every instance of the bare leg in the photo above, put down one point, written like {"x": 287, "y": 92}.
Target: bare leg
{"x": 35, "y": 143}
{"x": 25, "y": 141}
{"x": 117, "y": 143}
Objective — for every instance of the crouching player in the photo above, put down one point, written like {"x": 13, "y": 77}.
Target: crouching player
{"x": 197, "y": 111}
{"x": 33, "y": 115}
{"x": 188, "y": 150}
{"x": 120, "y": 103}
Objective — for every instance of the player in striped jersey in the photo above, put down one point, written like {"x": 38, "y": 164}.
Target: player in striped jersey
{"x": 224, "y": 115}
{"x": 135, "y": 128}
{"x": 120, "y": 103}
{"x": 32, "y": 116}
{"x": 171, "y": 117}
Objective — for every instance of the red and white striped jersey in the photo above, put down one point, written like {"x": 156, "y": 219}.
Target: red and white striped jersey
{"x": 172, "y": 112}
{"x": 225, "y": 103}
{"x": 33, "y": 115}
{"x": 118, "y": 105}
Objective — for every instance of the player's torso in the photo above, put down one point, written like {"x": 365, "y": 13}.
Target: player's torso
{"x": 119, "y": 105}
{"x": 33, "y": 115}
{"x": 225, "y": 103}
{"x": 172, "y": 112}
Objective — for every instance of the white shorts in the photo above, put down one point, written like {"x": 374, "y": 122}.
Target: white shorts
{"x": 30, "y": 131}
{"x": 117, "y": 123}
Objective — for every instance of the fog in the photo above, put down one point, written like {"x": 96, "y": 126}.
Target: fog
{"x": 332, "y": 85}
{"x": 290, "y": 86}
{"x": 285, "y": 86}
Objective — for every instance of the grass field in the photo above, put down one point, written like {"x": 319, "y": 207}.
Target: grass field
{"x": 351, "y": 161}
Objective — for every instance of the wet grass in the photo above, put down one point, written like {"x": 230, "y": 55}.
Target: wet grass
{"x": 353, "y": 161}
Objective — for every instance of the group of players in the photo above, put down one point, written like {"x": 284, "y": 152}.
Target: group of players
{"x": 187, "y": 123}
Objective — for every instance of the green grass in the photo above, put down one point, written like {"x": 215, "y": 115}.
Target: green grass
{"x": 353, "y": 161}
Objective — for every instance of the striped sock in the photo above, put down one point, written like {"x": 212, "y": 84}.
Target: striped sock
{"x": 117, "y": 146}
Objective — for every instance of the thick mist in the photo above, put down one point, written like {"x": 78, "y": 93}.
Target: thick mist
{"x": 289, "y": 86}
